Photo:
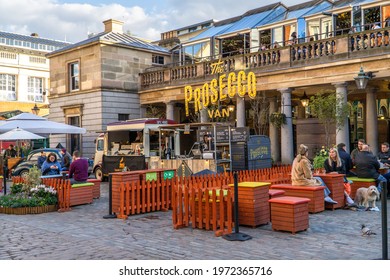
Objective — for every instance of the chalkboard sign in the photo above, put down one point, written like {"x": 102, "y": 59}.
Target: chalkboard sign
{"x": 238, "y": 134}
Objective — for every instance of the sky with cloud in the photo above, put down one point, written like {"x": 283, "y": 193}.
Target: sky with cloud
{"x": 72, "y": 20}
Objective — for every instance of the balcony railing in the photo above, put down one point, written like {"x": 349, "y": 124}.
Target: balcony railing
{"x": 336, "y": 48}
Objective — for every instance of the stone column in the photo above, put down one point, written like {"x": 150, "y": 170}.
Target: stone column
{"x": 240, "y": 113}
{"x": 287, "y": 140}
{"x": 342, "y": 132}
{"x": 274, "y": 133}
{"x": 371, "y": 120}
{"x": 170, "y": 110}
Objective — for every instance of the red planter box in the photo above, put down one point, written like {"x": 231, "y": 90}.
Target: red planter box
{"x": 335, "y": 183}
{"x": 95, "y": 188}
{"x": 314, "y": 193}
{"x": 289, "y": 213}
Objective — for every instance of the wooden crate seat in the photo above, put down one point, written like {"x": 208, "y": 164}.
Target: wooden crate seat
{"x": 314, "y": 193}
{"x": 81, "y": 194}
{"x": 289, "y": 213}
{"x": 96, "y": 187}
{"x": 360, "y": 183}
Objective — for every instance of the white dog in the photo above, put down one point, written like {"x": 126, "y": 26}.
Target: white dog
{"x": 367, "y": 196}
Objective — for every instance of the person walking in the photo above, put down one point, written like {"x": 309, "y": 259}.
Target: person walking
{"x": 78, "y": 170}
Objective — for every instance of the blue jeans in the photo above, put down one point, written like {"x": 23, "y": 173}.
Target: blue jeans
{"x": 326, "y": 190}
{"x": 382, "y": 178}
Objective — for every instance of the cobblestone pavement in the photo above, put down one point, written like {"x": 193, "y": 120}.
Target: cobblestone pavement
{"x": 83, "y": 234}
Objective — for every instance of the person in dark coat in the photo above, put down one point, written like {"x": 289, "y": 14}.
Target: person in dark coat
{"x": 347, "y": 159}
{"x": 367, "y": 166}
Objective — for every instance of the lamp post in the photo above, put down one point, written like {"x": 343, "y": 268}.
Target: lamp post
{"x": 362, "y": 78}
{"x": 361, "y": 83}
{"x": 305, "y": 100}
{"x": 35, "y": 110}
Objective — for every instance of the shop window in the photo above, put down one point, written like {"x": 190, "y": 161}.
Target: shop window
{"x": 123, "y": 117}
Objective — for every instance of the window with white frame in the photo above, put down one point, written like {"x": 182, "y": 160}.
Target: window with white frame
{"x": 35, "y": 89}
{"x": 74, "y": 76}
{"x": 7, "y": 87}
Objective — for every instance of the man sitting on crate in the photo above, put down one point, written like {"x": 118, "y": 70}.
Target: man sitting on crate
{"x": 78, "y": 170}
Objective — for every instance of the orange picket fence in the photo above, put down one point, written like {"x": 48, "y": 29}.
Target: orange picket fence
{"x": 145, "y": 197}
{"x": 203, "y": 208}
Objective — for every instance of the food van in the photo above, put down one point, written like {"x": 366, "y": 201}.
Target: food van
{"x": 127, "y": 145}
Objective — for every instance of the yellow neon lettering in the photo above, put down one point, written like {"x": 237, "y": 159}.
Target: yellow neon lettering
{"x": 187, "y": 98}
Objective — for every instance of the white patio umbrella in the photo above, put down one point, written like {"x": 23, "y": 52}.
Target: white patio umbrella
{"x": 38, "y": 125}
{"x": 19, "y": 134}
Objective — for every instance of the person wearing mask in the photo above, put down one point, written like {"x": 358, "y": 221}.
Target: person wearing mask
{"x": 78, "y": 170}
{"x": 65, "y": 160}
{"x": 301, "y": 173}
{"x": 335, "y": 164}
{"x": 51, "y": 166}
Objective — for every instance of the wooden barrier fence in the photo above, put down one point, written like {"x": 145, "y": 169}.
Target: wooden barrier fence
{"x": 148, "y": 196}
{"x": 203, "y": 208}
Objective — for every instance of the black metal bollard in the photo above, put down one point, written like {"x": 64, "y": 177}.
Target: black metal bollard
{"x": 5, "y": 175}
{"x": 110, "y": 214}
{"x": 236, "y": 236}
{"x": 384, "y": 221}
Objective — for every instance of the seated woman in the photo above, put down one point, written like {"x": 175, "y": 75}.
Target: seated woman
{"x": 301, "y": 173}
{"x": 335, "y": 164}
{"x": 51, "y": 166}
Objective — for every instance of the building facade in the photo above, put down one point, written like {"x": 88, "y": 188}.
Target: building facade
{"x": 24, "y": 72}
{"x": 290, "y": 52}
{"x": 96, "y": 82}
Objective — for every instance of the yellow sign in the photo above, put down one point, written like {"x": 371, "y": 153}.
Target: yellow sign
{"x": 210, "y": 93}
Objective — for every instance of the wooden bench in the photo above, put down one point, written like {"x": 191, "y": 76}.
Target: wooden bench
{"x": 274, "y": 194}
{"x": 360, "y": 183}
{"x": 314, "y": 193}
{"x": 335, "y": 183}
{"x": 81, "y": 194}
{"x": 96, "y": 187}
{"x": 290, "y": 213}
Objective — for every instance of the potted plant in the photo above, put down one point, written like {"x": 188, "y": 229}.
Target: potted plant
{"x": 29, "y": 197}
{"x": 319, "y": 159}
{"x": 278, "y": 119}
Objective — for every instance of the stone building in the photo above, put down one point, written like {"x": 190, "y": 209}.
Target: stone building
{"x": 96, "y": 81}
{"x": 24, "y": 72}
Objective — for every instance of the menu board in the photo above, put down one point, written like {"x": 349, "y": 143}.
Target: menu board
{"x": 238, "y": 134}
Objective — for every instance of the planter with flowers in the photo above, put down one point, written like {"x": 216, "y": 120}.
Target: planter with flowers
{"x": 29, "y": 197}
{"x": 319, "y": 159}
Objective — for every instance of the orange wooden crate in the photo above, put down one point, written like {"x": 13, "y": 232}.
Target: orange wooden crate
{"x": 96, "y": 187}
{"x": 253, "y": 206}
{"x": 335, "y": 183}
{"x": 274, "y": 194}
{"x": 359, "y": 184}
{"x": 81, "y": 195}
{"x": 289, "y": 213}
{"x": 314, "y": 193}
